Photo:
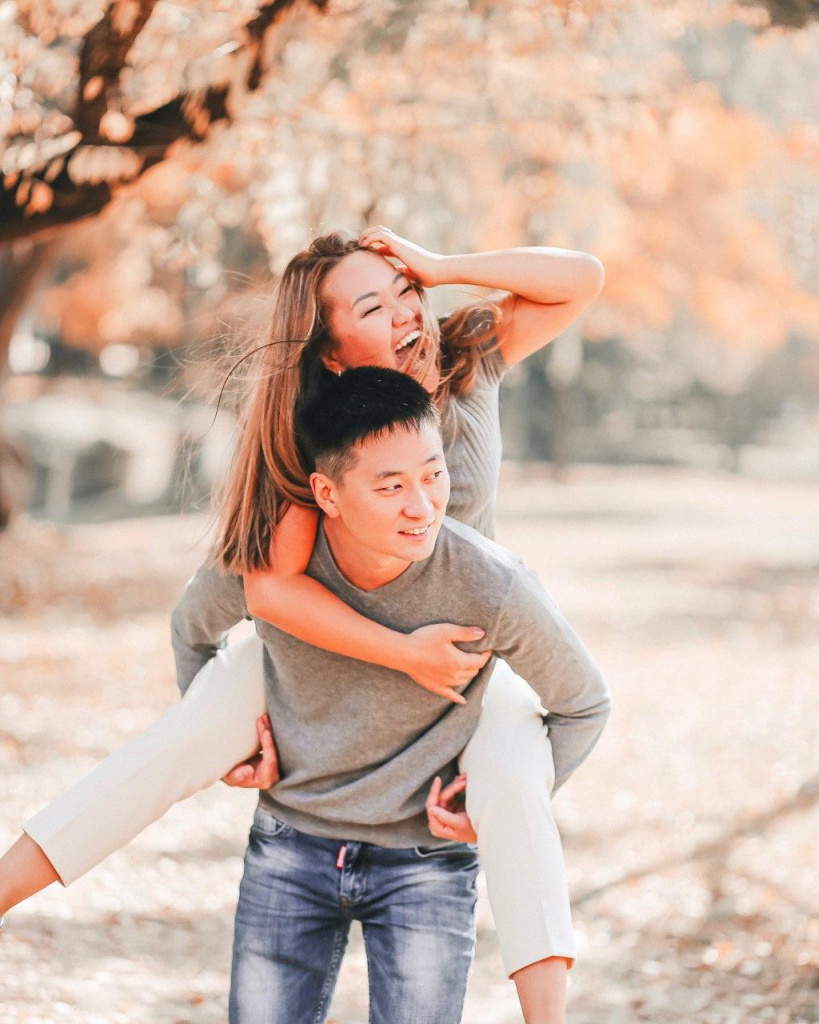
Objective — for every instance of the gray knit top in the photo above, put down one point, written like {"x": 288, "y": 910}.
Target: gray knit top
{"x": 470, "y": 428}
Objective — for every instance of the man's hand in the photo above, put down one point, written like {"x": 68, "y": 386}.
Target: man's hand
{"x": 262, "y": 770}
{"x": 446, "y": 816}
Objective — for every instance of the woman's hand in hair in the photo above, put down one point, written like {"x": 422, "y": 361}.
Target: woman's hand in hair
{"x": 431, "y": 658}
{"x": 420, "y": 265}
{"x": 262, "y": 770}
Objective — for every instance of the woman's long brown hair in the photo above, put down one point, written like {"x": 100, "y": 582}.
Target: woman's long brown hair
{"x": 267, "y": 473}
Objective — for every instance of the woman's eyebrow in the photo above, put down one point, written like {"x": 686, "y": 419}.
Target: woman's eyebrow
{"x": 374, "y": 295}
{"x": 366, "y": 295}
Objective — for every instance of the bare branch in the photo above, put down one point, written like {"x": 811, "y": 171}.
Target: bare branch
{"x": 104, "y": 53}
{"x": 71, "y": 188}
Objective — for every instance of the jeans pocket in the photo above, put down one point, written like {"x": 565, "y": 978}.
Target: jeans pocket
{"x": 266, "y": 826}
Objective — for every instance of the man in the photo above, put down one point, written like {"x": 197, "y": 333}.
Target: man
{"x": 344, "y": 835}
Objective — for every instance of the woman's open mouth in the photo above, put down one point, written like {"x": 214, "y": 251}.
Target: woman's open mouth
{"x": 405, "y": 347}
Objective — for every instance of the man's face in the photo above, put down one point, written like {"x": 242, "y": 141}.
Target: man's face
{"x": 390, "y": 503}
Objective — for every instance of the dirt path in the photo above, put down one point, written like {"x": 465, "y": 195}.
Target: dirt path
{"x": 691, "y": 835}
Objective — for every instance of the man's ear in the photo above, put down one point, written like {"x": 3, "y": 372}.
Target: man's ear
{"x": 324, "y": 491}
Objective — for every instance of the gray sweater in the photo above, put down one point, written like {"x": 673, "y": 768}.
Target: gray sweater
{"x": 358, "y": 744}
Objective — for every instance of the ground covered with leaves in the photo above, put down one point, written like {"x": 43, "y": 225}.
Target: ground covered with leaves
{"x": 690, "y": 835}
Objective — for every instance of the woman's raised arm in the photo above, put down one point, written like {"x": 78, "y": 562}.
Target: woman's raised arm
{"x": 303, "y": 607}
{"x": 549, "y": 288}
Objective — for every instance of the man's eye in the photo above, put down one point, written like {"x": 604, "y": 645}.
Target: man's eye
{"x": 370, "y": 311}
{"x": 391, "y": 489}
{"x": 437, "y": 474}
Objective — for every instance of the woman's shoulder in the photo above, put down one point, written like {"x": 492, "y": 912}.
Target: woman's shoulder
{"x": 493, "y": 367}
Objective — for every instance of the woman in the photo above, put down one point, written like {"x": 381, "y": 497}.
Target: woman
{"x": 341, "y": 304}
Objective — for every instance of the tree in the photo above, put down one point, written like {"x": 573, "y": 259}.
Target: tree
{"x": 664, "y": 137}
{"x": 106, "y": 141}
{"x": 70, "y": 148}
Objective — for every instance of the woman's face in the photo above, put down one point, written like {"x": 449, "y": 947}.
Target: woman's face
{"x": 376, "y": 318}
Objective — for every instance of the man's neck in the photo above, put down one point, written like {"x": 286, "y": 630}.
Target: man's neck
{"x": 359, "y": 565}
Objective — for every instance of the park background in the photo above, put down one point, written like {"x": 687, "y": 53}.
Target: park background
{"x": 160, "y": 164}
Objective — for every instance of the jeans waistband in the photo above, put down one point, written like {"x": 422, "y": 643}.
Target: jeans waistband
{"x": 270, "y": 824}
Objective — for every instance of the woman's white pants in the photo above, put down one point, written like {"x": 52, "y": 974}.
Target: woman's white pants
{"x": 508, "y": 763}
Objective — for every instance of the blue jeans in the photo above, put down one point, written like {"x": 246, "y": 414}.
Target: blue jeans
{"x": 298, "y": 896}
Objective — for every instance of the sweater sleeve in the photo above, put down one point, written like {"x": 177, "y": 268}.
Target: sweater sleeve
{"x": 210, "y": 605}
{"x": 534, "y": 638}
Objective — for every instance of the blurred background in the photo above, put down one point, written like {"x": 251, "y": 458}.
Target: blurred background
{"x": 161, "y": 162}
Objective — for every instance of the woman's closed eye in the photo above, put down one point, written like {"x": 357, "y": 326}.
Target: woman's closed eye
{"x": 372, "y": 309}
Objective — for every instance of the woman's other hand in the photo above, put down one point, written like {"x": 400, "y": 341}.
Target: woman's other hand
{"x": 434, "y": 662}
{"x": 262, "y": 770}
{"x": 420, "y": 265}
{"x": 446, "y": 815}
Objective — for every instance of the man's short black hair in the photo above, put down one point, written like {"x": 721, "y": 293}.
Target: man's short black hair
{"x": 363, "y": 402}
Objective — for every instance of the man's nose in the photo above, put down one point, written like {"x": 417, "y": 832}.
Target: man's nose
{"x": 418, "y": 504}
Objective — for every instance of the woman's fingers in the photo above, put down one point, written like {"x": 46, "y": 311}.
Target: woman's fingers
{"x": 471, "y": 664}
{"x": 378, "y": 230}
{"x": 387, "y": 243}
{"x": 379, "y": 237}
{"x": 463, "y": 634}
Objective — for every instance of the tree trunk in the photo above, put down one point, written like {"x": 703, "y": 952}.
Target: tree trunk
{"x": 21, "y": 269}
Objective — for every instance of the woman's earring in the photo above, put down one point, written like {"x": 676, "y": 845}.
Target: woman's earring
{"x": 338, "y": 372}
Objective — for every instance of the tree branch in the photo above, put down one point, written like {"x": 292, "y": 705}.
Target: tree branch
{"x": 102, "y": 57}
{"x": 789, "y": 13}
{"x": 80, "y": 183}
{"x": 188, "y": 116}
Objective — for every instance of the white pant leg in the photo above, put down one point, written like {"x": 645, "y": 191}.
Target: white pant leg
{"x": 189, "y": 747}
{"x": 510, "y": 774}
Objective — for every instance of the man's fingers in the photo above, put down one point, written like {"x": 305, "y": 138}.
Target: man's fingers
{"x": 437, "y": 826}
{"x": 440, "y": 831}
{"x": 445, "y": 817}
{"x": 451, "y": 826}
{"x": 434, "y": 793}
{"x": 453, "y": 695}
{"x": 239, "y": 776}
{"x": 268, "y": 747}
{"x": 457, "y": 786}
